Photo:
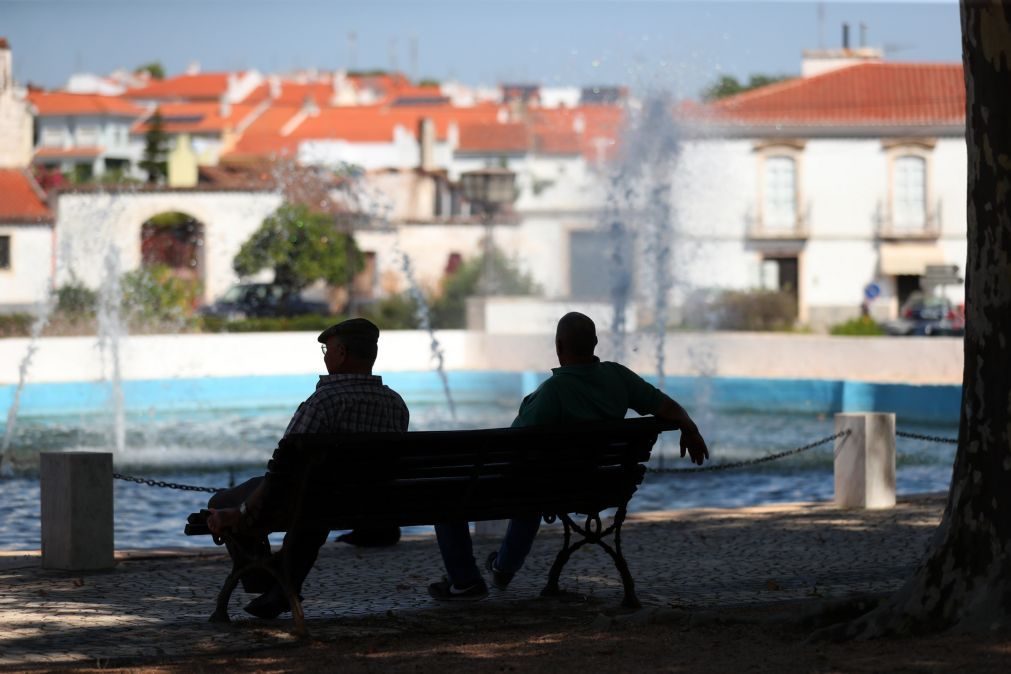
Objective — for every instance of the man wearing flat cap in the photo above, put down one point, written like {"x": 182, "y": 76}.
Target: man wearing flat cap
{"x": 348, "y": 399}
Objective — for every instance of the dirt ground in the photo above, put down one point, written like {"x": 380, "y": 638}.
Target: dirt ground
{"x": 539, "y": 638}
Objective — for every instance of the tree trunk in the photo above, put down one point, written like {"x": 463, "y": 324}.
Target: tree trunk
{"x": 965, "y": 581}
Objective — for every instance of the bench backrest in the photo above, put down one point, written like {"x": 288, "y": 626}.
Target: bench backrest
{"x": 434, "y": 476}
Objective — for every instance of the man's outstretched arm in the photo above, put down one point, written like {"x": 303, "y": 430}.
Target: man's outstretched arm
{"x": 692, "y": 441}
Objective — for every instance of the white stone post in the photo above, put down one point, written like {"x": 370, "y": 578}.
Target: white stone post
{"x": 76, "y": 492}
{"x": 865, "y": 460}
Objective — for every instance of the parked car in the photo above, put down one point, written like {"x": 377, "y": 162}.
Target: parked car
{"x": 248, "y": 300}
{"x": 923, "y": 315}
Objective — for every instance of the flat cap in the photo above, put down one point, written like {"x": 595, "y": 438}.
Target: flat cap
{"x": 359, "y": 328}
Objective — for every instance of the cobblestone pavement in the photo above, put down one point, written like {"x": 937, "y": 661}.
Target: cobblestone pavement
{"x": 157, "y": 603}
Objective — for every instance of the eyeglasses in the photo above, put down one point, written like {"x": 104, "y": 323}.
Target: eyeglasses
{"x": 322, "y": 347}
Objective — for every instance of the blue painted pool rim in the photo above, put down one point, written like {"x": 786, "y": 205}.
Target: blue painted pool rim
{"x": 913, "y": 403}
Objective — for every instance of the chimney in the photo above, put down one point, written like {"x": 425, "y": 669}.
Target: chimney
{"x": 224, "y": 107}
{"x": 274, "y": 86}
{"x": 426, "y": 141}
{"x": 845, "y": 36}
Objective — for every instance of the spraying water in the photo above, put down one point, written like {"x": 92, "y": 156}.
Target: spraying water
{"x": 45, "y": 310}
{"x": 425, "y": 320}
{"x": 111, "y": 330}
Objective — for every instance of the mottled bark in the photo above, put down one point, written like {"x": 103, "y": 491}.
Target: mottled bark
{"x": 965, "y": 581}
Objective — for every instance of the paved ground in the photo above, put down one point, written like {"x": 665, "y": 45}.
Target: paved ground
{"x": 155, "y": 603}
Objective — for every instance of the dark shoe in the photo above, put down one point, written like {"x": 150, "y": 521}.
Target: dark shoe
{"x": 500, "y": 579}
{"x": 378, "y": 537}
{"x": 270, "y": 604}
{"x": 446, "y": 591}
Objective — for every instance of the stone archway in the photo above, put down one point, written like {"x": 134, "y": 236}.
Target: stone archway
{"x": 175, "y": 240}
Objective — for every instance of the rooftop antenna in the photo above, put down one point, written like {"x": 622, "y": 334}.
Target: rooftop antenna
{"x": 863, "y": 34}
{"x": 393, "y": 54}
{"x": 352, "y": 50}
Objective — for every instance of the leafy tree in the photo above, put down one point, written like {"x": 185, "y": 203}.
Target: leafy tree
{"x": 155, "y": 141}
{"x": 491, "y": 273}
{"x": 154, "y": 69}
{"x": 154, "y": 293}
{"x": 964, "y": 582}
{"x": 728, "y": 85}
{"x": 302, "y": 247}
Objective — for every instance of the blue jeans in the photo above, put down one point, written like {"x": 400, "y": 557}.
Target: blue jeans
{"x": 458, "y": 551}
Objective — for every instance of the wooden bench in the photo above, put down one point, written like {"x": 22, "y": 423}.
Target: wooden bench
{"x": 422, "y": 478}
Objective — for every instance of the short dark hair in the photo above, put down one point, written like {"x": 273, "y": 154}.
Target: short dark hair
{"x": 578, "y": 332}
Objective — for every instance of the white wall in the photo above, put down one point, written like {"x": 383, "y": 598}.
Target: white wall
{"x": 88, "y": 224}
{"x": 936, "y": 360}
{"x": 27, "y": 281}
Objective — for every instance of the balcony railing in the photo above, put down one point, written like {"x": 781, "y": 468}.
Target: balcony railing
{"x": 756, "y": 229}
{"x": 885, "y": 226}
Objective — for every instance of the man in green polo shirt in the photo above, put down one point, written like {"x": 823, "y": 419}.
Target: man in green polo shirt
{"x": 581, "y": 389}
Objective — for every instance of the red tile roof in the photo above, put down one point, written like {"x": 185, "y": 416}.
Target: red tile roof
{"x": 864, "y": 94}
{"x": 21, "y": 200}
{"x": 202, "y": 86}
{"x": 52, "y": 103}
{"x": 494, "y": 137}
{"x": 196, "y": 118}
{"x": 61, "y": 153}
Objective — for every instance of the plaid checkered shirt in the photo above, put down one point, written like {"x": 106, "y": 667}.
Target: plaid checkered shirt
{"x": 350, "y": 403}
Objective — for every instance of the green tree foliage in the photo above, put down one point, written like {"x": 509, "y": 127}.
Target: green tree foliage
{"x": 155, "y": 294}
{"x": 76, "y": 300}
{"x": 301, "y": 247}
{"x": 492, "y": 274}
{"x": 863, "y": 326}
{"x": 155, "y": 141}
{"x": 728, "y": 85}
{"x": 154, "y": 69}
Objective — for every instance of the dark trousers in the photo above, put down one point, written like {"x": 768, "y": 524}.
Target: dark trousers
{"x": 458, "y": 551}
{"x": 300, "y": 547}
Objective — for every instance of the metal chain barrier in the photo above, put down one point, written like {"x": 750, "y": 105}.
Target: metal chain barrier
{"x": 751, "y": 462}
{"x": 929, "y": 438}
{"x": 165, "y": 485}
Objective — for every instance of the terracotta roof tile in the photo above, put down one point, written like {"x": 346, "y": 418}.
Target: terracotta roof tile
{"x": 494, "y": 137}
{"x": 864, "y": 94}
{"x": 21, "y": 200}
{"x": 60, "y": 152}
{"x": 202, "y": 86}
{"x": 59, "y": 103}
{"x": 196, "y": 118}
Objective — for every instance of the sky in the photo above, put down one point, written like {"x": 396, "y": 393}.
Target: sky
{"x": 677, "y": 45}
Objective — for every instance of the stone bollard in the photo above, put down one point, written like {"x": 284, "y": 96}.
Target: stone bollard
{"x": 76, "y": 490}
{"x": 865, "y": 460}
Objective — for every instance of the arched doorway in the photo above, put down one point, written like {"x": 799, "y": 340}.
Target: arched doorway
{"x": 174, "y": 240}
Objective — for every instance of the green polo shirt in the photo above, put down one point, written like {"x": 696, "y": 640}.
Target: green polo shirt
{"x": 587, "y": 392}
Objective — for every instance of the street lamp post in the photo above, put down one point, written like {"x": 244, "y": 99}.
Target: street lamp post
{"x": 490, "y": 189}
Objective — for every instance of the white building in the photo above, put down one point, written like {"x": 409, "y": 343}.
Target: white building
{"x": 824, "y": 185}
{"x": 27, "y": 258}
{"x": 15, "y": 117}
{"x": 85, "y": 135}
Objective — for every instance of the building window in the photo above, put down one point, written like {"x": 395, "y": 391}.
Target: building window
{"x": 52, "y": 136}
{"x": 779, "y": 198}
{"x": 5, "y": 252}
{"x": 909, "y": 202}
{"x": 87, "y": 135}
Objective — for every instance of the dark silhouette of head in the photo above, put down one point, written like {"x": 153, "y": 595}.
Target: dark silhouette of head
{"x": 351, "y": 346}
{"x": 575, "y": 339}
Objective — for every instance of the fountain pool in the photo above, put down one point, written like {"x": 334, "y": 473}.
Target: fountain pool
{"x": 211, "y": 447}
